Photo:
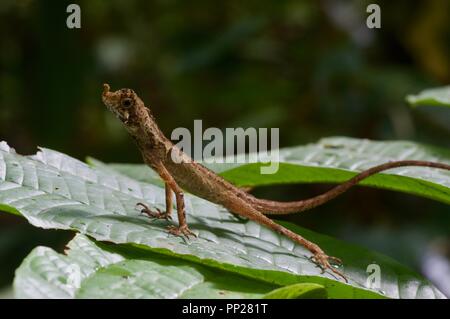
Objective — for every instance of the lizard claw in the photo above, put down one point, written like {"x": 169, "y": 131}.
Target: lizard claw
{"x": 181, "y": 231}
{"x": 152, "y": 214}
{"x": 325, "y": 262}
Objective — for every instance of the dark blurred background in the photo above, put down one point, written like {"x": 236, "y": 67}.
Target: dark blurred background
{"x": 311, "y": 68}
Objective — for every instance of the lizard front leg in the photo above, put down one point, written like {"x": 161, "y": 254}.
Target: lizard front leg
{"x": 171, "y": 185}
{"x": 158, "y": 214}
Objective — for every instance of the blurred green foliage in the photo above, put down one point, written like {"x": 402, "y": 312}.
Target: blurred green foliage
{"x": 311, "y": 68}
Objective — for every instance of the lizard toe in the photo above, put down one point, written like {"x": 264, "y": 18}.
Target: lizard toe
{"x": 181, "y": 231}
{"x": 158, "y": 214}
{"x": 323, "y": 261}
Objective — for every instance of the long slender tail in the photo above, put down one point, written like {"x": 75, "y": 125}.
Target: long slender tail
{"x": 280, "y": 208}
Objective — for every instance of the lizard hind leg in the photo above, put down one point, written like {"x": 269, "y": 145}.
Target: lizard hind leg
{"x": 319, "y": 257}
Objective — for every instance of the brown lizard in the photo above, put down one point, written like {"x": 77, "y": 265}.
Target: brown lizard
{"x": 193, "y": 177}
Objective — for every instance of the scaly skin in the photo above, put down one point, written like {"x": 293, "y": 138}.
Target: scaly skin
{"x": 193, "y": 177}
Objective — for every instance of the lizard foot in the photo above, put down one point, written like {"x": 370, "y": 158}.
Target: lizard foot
{"x": 181, "y": 231}
{"x": 326, "y": 262}
{"x": 152, "y": 214}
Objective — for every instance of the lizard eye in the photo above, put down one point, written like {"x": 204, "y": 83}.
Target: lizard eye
{"x": 127, "y": 102}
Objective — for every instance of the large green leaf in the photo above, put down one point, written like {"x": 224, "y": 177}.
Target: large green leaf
{"x": 52, "y": 190}
{"x": 297, "y": 291}
{"x": 90, "y": 271}
{"x": 434, "y": 97}
{"x": 46, "y": 274}
{"x": 334, "y": 160}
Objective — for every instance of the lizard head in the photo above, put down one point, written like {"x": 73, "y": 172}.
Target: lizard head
{"x": 123, "y": 103}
